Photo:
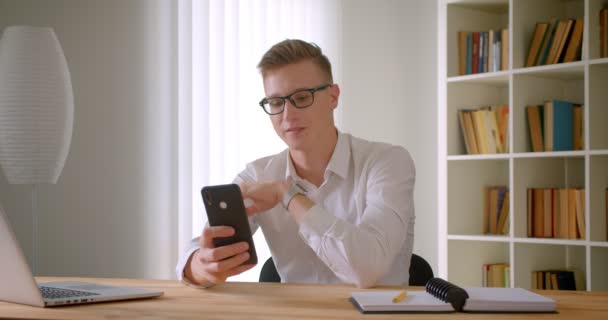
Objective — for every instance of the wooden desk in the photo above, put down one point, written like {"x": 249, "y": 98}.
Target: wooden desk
{"x": 272, "y": 301}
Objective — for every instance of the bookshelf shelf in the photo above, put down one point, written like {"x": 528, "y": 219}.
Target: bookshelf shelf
{"x": 602, "y": 244}
{"x": 598, "y": 152}
{"x": 478, "y": 238}
{"x": 463, "y": 248}
{"x": 550, "y": 241}
{"x": 547, "y": 154}
{"x": 489, "y": 78}
{"x": 495, "y": 156}
{"x": 599, "y": 61}
{"x": 564, "y": 71}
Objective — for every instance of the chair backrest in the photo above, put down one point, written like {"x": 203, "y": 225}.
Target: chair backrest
{"x": 420, "y": 271}
{"x": 269, "y": 272}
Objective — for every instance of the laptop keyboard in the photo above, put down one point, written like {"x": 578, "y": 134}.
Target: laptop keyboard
{"x": 57, "y": 293}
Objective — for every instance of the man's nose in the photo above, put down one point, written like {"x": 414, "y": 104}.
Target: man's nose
{"x": 288, "y": 108}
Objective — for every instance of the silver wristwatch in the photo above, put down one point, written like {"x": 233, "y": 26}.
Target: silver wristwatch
{"x": 293, "y": 190}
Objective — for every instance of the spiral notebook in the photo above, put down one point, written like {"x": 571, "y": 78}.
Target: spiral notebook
{"x": 443, "y": 296}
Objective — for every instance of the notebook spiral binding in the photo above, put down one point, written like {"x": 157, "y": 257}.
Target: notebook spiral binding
{"x": 447, "y": 292}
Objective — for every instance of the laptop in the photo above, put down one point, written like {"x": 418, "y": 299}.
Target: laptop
{"x": 17, "y": 284}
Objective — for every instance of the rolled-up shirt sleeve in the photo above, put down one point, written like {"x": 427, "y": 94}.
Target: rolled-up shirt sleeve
{"x": 363, "y": 253}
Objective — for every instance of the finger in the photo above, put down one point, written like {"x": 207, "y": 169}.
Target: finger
{"x": 252, "y": 210}
{"x": 209, "y": 233}
{"x": 221, "y": 253}
{"x": 227, "y": 264}
{"x": 240, "y": 269}
{"x": 216, "y": 278}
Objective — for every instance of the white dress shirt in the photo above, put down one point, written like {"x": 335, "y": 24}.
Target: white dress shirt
{"x": 360, "y": 230}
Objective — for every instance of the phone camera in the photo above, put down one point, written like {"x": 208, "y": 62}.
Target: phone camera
{"x": 223, "y": 205}
{"x": 207, "y": 196}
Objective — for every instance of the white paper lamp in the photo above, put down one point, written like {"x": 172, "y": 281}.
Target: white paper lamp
{"x": 36, "y": 105}
{"x": 36, "y": 111}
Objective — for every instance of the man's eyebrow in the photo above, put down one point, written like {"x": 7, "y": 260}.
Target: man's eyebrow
{"x": 292, "y": 92}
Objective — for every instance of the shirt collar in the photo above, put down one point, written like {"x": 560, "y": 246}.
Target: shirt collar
{"x": 338, "y": 163}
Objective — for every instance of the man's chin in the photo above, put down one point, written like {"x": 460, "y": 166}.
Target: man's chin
{"x": 295, "y": 144}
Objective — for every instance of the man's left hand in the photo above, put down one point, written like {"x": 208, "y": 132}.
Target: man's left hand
{"x": 265, "y": 196}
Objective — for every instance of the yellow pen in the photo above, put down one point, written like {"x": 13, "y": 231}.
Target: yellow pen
{"x": 400, "y": 296}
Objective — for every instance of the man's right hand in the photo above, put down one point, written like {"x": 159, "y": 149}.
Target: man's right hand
{"x": 213, "y": 265}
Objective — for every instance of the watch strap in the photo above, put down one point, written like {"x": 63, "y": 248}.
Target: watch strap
{"x": 293, "y": 190}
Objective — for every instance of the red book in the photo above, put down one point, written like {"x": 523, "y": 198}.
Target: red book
{"x": 475, "y": 52}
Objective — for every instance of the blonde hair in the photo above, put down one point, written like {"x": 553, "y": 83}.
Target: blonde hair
{"x": 292, "y": 51}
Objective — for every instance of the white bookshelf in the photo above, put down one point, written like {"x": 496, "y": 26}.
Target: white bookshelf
{"x": 462, "y": 246}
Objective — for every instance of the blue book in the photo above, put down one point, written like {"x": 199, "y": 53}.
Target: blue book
{"x": 543, "y": 55}
{"x": 563, "y": 127}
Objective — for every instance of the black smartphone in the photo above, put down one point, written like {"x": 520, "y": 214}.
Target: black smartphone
{"x": 225, "y": 207}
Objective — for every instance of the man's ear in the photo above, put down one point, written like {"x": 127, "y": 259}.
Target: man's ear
{"x": 334, "y": 94}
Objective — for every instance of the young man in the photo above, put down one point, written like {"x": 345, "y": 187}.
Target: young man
{"x": 333, "y": 208}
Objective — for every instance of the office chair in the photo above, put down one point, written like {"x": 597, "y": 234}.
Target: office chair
{"x": 420, "y": 271}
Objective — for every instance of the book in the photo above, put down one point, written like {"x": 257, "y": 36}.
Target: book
{"x": 480, "y": 132}
{"x": 561, "y": 53}
{"x": 547, "y": 42}
{"x": 572, "y": 214}
{"x": 469, "y": 53}
{"x": 557, "y": 38}
{"x": 535, "y": 124}
{"x": 475, "y": 53}
{"x": 504, "y": 54}
{"x": 563, "y": 214}
{"x": 580, "y": 212}
{"x": 604, "y": 33}
{"x": 502, "y": 119}
{"x": 468, "y": 131}
{"x": 462, "y": 52}
{"x": 559, "y": 125}
{"x": 503, "y": 218}
{"x": 442, "y": 296}
{"x": 577, "y": 127}
{"x": 535, "y": 43}
{"x": 547, "y": 213}
{"x": 573, "y": 52}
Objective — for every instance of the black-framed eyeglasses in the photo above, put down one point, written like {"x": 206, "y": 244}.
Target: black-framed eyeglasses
{"x": 299, "y": 99}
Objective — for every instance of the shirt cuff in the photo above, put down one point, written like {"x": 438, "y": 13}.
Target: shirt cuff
{"x": 187, "y": 282}
{"x": 181, "y": 264}
{"x": 315, "y": 225}
{"x": 182, "y": 277}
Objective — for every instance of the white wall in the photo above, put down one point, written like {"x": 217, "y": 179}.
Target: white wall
{"x": 114, "y": 210}
{"x": 389, "y": 92}
{"x": 112, "y": 213}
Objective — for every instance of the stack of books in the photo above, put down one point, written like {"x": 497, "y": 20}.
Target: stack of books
{"x": 556, "y": 213}
{"x": 496, "y": 275}
{"x": 556, "y": 126}
{"x": 485, "y": 51}
{"x": 495, "y": 210}
{"x": 556, "y": 280}
{"x": 556, "y": 42}
{"x": 485, "y": 130}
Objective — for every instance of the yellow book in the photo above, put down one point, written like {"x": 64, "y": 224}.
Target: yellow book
{"x": 480, "y": 130}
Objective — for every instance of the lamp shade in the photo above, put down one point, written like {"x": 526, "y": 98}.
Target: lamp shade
{"x": 36, "y": 105}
